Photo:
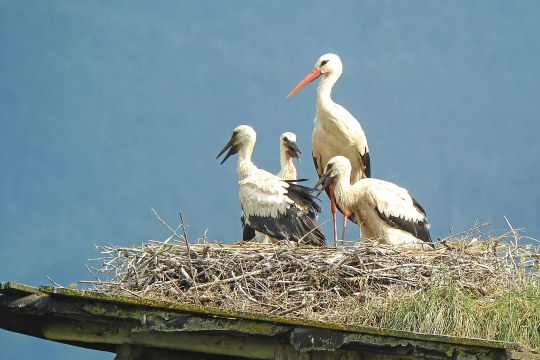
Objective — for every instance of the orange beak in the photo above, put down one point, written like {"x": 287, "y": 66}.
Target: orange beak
{"x": 312, "y": 75}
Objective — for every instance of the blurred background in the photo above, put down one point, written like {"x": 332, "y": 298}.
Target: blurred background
{"x": 111, "y": 108}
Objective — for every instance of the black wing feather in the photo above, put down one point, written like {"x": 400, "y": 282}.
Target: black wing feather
{"x": 418, "y": 206}
{"x": 293, "y": 225}
{"x": 367, "y": 163}
{"x": 418, "y": 229}
{"x": 302, "y": 195}
{"x": 248, "y": 233}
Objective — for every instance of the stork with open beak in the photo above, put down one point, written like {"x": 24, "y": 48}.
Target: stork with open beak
{"x": 384, "y": 211}
{"x": 336, "y": 131}
{"x": 288, "y": 150}
{"x": 275, "y": 207}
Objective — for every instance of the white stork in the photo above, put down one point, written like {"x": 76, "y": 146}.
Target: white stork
{"x": 336, "y": 131}
{"x": 288, "y": 150}
{"x": 275, "y": 207}
{"x": 385, "y": 211}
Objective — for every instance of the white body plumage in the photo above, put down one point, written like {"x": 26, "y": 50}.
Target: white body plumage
{"x": 336, "y": 131}
{"x": 271, "y": 205}
{"x": 288, "y": 151}
{"x": 385, "y": 211}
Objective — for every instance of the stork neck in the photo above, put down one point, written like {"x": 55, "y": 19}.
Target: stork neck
{"x": 341, "y": 188}
{"x": 288, "y": 170}
{"x": 324, "y": 91}
{"x": 245, "y": 165}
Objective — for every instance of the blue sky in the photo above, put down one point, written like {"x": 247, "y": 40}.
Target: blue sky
{"x": 111, "y": 108}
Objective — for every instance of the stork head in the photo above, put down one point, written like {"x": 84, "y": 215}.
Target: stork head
{"x": 329, "y": 64}
{"x": 336, "y": 168}
{"x": 242, "y": 136}
{"x": 326, "y": 65}
{"x": 287, "y": 145}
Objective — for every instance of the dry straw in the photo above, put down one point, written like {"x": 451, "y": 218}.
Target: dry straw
{"x": 438, "y": 291}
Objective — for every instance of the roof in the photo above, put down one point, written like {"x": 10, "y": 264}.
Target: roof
{"x": 135, "y": 328}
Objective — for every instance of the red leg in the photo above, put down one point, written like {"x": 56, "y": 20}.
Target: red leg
{"x": 346, "y": 215}
{"x": 333, "y": 209}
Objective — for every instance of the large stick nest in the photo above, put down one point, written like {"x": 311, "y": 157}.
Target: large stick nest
{"x": 309, "y": 282}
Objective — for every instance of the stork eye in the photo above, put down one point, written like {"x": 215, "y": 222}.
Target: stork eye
{"x": 324, "y": 62}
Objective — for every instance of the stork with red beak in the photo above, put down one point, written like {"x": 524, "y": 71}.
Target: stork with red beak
{"x": 336, "y": 131}
{"x": 385, "y": 211}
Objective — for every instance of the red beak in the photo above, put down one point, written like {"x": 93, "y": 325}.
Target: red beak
{"x": 312, "y": 75}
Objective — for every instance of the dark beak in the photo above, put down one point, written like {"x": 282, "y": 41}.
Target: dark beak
{"x": 233, "y": 149}
{"x": 292, "y": 149}
{"x": 325, "y": 181}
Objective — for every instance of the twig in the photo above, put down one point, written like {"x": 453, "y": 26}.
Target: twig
{"x": 474, "y": 228}
{"x": 306, "y": 281}
{"x": 55, "y": 283}
{"x": 296, "y": 308}
{"x": 166, "y": 225}
{"x": 188, "y": 250}
{"x": 516, "y": 236}
{"x": 183, "y": 226}
{"x": 231, "y": 279}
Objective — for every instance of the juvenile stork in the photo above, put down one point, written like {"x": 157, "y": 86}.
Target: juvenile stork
{"x": 275, "y": 207}
{"x": 385, "y": 211}
{"x": 336, "y": 131}
{"x": 288, "y": 150}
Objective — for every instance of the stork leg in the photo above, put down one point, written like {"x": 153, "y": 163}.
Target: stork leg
{"x": 346, "y": 214}
{"x": 333, "y": 209}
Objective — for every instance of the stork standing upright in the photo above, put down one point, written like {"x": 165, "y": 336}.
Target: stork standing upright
{"x": 336, "y": 131}
{"x": 384, "y": 211}
{"x": 275, "y": 207}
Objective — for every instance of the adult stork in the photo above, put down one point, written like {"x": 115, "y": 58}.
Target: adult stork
{"x": 336, "y": 131}
{"x": 385, "y": 211}
{"x": 275, "y": 207}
